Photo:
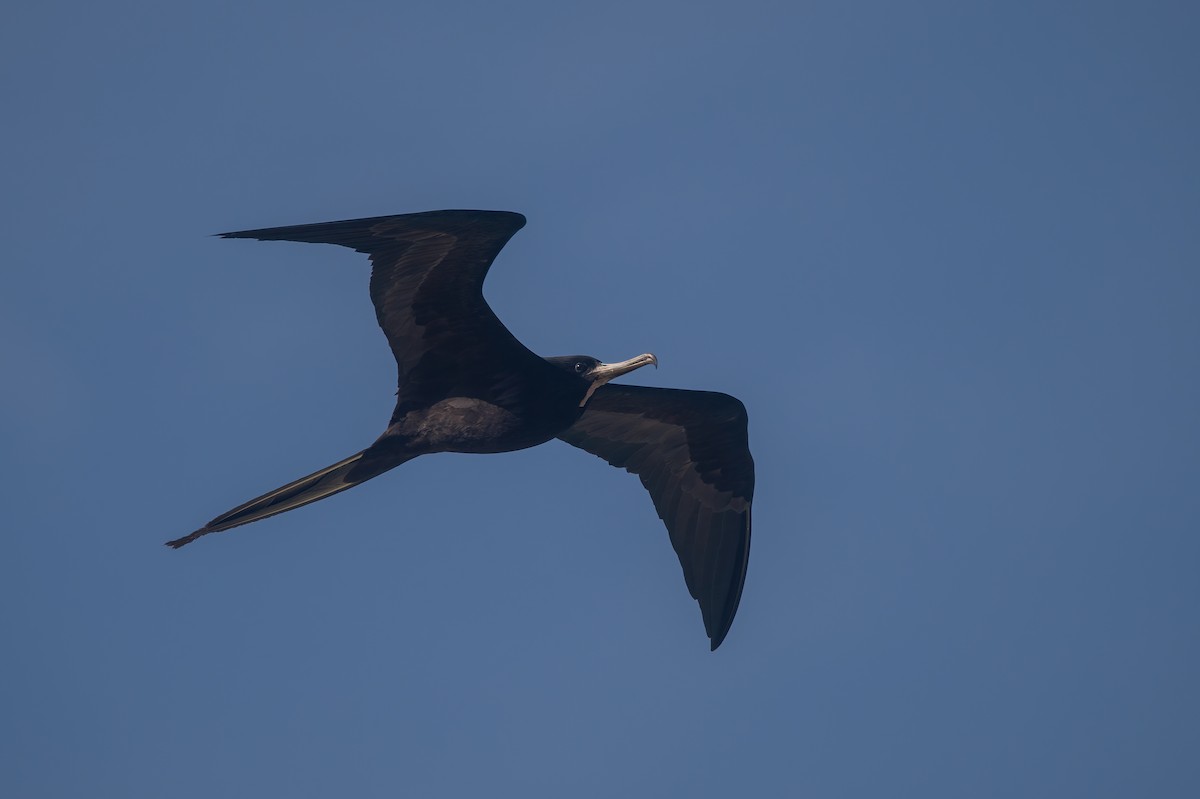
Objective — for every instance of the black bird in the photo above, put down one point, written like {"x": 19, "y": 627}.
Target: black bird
{"x": 467, "y": 385}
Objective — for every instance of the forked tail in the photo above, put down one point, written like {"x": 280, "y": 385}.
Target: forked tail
{"x": 358, "y": 468}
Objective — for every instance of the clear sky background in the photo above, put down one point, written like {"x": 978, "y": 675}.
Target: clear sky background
{"x": 947, "y": 253}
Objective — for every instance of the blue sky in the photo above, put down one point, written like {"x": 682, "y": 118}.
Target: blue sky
{"x": 946, "y": 253}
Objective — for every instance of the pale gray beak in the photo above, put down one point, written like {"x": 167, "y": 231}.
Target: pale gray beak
{"x": 609, "y": 371}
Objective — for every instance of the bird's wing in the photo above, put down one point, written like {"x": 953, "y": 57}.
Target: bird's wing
{"x": 691, "y": 451}
{"x": 427, "y": 287}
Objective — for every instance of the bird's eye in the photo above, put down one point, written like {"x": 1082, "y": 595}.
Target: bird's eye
{"x": 580, "y": 367}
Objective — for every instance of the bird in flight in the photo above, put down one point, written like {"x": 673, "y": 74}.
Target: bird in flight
{"x": 466, "y": 384}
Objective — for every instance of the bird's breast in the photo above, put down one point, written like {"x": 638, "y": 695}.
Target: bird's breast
{"x": 466, "y": 424}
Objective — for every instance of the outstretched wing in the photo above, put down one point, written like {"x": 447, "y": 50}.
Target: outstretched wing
{"x": 427, "y": 287}
{"x": 691, "y": 451}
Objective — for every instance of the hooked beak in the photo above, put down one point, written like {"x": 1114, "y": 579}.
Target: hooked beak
{"x": 609, "y": 371}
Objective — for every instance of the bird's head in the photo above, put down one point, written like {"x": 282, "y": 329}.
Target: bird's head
{"x": 595, "y": 373}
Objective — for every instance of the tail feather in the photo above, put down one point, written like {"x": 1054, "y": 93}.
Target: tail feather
{"x": 318, "y": 485}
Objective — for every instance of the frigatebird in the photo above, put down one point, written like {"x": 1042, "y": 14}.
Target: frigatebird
{"x": 466, "y": 384}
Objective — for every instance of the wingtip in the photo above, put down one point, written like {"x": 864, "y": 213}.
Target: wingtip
{"x": 256, "y": 233}
{"x": 187, "y": 539}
